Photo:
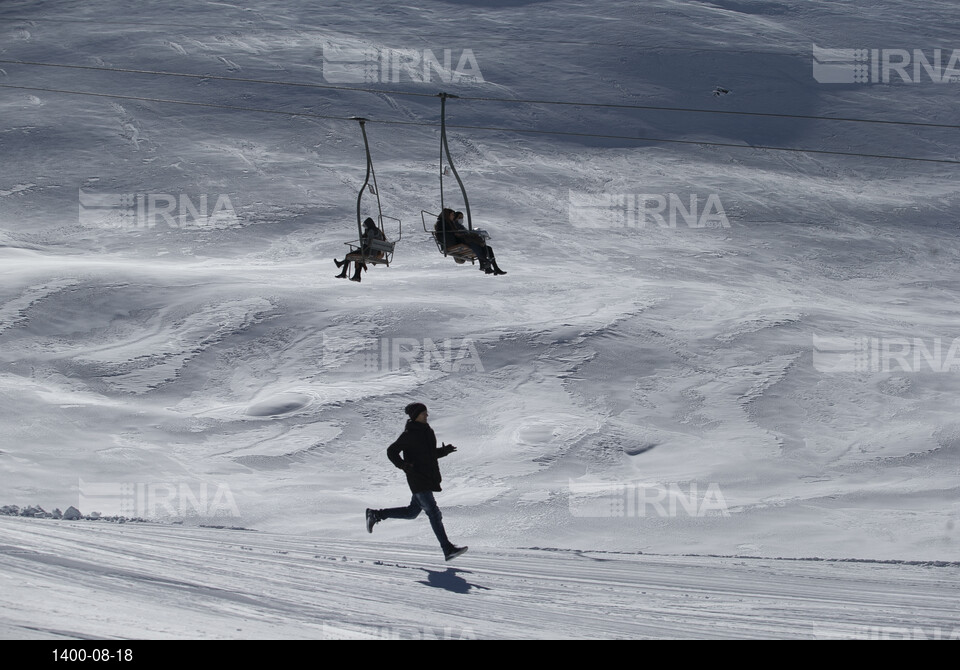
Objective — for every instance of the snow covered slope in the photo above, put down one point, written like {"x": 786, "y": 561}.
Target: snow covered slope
{"x": 221, "y": 361}
{"x": 157, "y": 582}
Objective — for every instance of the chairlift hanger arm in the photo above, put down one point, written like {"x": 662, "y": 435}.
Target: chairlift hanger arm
{"x": 370, "y": 173}
{"x": 445, "y": 150}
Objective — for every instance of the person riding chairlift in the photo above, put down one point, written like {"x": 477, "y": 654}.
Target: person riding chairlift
{"x": 370, "y": 233}
{"x": 450, "y": 224}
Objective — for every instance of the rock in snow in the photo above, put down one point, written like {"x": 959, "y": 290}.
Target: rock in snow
{"x": 72, "y": 514}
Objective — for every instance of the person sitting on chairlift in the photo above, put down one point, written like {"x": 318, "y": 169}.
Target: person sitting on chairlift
{"x": 445, "y": 230}
{"x": 476, "y": 241}
{"x": 370, "y": 233}
{"x": 449, "y": 235}
{"x": 450, "y": 223}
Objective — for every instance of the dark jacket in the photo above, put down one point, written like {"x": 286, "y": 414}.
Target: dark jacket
{"x": 457, "y": 233}
{"x": 418, "y": 446}
{"x": 446, "y": 233}
{"x": 373, "y": 233}
{"x": 369, "y": 235}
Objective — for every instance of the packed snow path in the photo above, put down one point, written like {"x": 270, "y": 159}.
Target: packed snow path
{"x": 99, "y": 580}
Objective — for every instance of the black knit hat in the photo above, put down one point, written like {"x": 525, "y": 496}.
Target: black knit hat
{"x": 415, "y": 409}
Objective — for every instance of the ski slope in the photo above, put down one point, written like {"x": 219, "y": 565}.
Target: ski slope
{"x": 631, "y": 394}
{"x": 140, "y": 581}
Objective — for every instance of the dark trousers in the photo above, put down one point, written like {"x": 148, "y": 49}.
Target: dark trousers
{"x": 483, "y": 252}
{"x": 421, "y": 502}
{"x": 478, "y": 246}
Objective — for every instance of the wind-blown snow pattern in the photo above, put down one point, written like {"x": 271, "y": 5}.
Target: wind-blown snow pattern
{"x": 699, "y": 350}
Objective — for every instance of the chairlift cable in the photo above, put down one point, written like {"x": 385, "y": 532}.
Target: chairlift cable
{"x": 313, "y": 115}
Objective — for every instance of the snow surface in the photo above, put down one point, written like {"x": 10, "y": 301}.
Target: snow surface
{"x": 141, "y": 581}
{"x": 224, "y": 362}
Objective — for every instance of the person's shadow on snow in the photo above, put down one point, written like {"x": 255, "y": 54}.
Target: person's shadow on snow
{"x": 449, "y": 580}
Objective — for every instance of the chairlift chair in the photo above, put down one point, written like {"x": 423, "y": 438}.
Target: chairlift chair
{"x": 461, "y": 252}
{"x": 374, "y": 252}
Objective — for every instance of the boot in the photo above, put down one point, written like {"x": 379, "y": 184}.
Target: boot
{"x": 343, "y": 274}
{"x": 356, "y": 275}
{"x": 340, "y": 264}
{"x": 497, "y": 270}
{"x": 372, "y": 519}
{"x": 452, "y": 552}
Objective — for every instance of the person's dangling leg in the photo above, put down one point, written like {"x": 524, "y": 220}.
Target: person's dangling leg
{"x": 493, "y": 262}
{"x": 411, "y": 511}
{"x": 481, "y": 253}
{"x": 428, "y": 503}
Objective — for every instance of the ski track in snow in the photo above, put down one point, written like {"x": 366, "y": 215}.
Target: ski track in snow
{"x": 156, "y": 582}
